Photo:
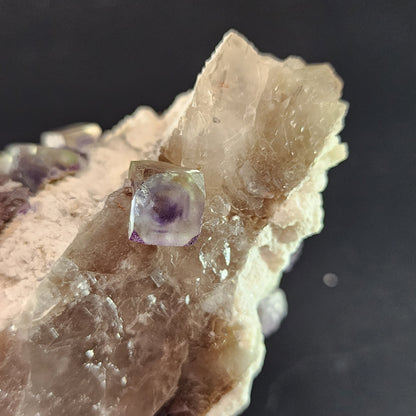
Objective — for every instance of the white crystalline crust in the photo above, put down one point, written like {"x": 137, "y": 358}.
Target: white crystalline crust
{"x": 31, "y": 243}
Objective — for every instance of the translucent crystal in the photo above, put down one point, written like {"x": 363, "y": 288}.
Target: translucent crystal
{"x": 167, "y": 204}
{"x": 75, "y": 136}
{"x": 33, "y": 165}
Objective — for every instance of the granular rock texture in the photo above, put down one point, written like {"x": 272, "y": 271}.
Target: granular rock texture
{"x": 106, "y": 326}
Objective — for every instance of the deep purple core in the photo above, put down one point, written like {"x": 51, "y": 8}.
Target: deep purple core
{"x": 164, "y": 211}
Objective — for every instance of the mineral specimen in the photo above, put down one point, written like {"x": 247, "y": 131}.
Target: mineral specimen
{"x": 167, "y": 204}
{"x": 95, "y": 324}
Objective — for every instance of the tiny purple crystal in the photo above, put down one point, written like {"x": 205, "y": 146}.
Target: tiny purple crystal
{"x": 167, "y": 205}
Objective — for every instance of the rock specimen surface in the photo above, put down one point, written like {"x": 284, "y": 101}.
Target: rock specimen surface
{"x": 95, "y": 324}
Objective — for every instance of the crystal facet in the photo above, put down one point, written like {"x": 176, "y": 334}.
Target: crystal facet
{"x": 167, "y": 205}
{"x": 75, "y": 136}
{"x": 34, "y": 165}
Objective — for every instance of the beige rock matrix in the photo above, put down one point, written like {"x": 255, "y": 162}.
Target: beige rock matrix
{"x": 95, "y": 324}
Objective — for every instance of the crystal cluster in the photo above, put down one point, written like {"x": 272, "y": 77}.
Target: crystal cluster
{"x": 62, "y": 153}
{"x": 167, "y": 205}
{"x": 107, "y": 326}
{"x": 34, "y": 165}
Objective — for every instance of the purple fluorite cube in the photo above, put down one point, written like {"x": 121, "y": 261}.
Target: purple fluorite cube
{"x": 167, "y": 205}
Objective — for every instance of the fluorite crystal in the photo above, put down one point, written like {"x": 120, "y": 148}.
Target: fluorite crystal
{"x": 34, "y": 165}
{"x": 167, "y": 205}
{"x": 95, "y": 324}
{"x": 63, "y": 152}
{"x": 77, "y": 136}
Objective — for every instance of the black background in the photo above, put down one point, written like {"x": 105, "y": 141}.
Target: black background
{"x": 348, "y": 350}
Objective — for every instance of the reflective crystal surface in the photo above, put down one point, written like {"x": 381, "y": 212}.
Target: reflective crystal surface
{"x": 34, "y": 165}
{"x": 167, "y": 205}
{"x": 62, "y": 152}
{"x": 75, "y": 136}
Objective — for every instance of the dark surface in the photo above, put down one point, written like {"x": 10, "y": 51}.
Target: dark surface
{"x": 349, "y": 350}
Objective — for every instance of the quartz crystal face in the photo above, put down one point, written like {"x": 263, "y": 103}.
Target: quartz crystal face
{"x": 167, "y": 205}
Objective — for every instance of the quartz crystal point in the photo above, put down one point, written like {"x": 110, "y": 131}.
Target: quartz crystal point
{"x": 167, "y": 204}
{"x": 95, "y": 324}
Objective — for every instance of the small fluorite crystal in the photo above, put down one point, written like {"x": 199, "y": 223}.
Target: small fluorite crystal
{"x": 34, "y": 165}
{"x": 167, "y": 205}
{"x": 61, "y": 152}
{"x": 75, "y": 136}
